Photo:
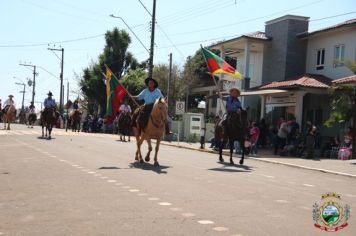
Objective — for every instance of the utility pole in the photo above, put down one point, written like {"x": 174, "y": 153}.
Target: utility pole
{"x": 153, "y": 24}
{"x": 61, "y": 77}
{"x": 34, "y": 80}
{"x": 67, "y": 91}
{"x": 23, "y": 95}
{"x": 169, "y": 77}
{"x": 190, "y": 79}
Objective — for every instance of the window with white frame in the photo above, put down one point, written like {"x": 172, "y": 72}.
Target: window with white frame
{"x": 320, "y": 58}
{"x": 339, "y": 57}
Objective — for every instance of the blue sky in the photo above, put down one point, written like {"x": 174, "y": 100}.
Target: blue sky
{"x": 182, "y": 26}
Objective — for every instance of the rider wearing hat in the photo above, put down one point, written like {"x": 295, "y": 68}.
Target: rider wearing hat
{"x": 149, "y": 95}
{"x": 233, "y": 103}
{"x": 49, "y": 102}
{"x": 9, "y": 102}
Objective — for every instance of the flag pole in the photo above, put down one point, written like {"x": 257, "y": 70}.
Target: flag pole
{"x": 128, "y": 93}
{"x": 216, "y": 84}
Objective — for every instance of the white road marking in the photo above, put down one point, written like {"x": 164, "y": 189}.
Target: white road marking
{"x": 80, "y": 167}
{"x": 267, "y": 176}
{"x": 281, "y": 201}
{"x": 134, "y": 190}
{"x": 74, "y": 165}
{"x": 308, "y": 185}
{"x": 205, "y": 222}
{"x": 142, "y": 194}
{"x": 62, "y": 160}
{"x": 104, "y": 177}
{"x": 153, "y": 199}
{"x": 188, "y": 214}
{"x": 111, "y": 181}
{"x": 305, "y": 208}
{"x": 175, "y": 209}
{"x": 220, "y": 229}
{"x": 164, "y": 204}
{"x": 97, "y": 175}
{"x": 53, "y": 156}
{"x": 91, "y": 172}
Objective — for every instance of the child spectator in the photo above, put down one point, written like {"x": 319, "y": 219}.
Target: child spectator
{"x": 255, "y": 134}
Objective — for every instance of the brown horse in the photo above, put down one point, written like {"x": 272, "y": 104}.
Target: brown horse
{"x": 124, "y": 124}
{"x": 74, "y": 121}
{"x": 235, "y": 130}
{"x": 49, "y": 119}
{"x": 155, "y": 129}
{"x": 8, "y": 116}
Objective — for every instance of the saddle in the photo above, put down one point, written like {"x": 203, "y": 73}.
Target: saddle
{"x": 141, "y": 116}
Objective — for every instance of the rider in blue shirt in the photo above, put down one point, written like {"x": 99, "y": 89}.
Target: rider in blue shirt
{"x": 149, "y": 96}
{"x": 49, "y": 102}
{"x": 233, "y": 104}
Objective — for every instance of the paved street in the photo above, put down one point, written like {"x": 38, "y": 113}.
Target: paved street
{"x": 89, "y": 184}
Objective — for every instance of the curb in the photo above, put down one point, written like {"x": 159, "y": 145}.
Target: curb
{"x": 268, "y": 161}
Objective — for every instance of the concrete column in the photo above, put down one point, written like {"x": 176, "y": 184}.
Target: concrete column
{"x": 263, "y": 106}
{"x": 299, "y": 107}
{"x": 247, "y": 59}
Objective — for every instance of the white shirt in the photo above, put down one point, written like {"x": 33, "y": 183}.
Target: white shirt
{"x": 125, "y": 108}
{"x": 9, "y": 102}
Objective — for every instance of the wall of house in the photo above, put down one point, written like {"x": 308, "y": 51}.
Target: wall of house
{"x": 328, "y": 41}
{"x": 284, "y": 55}
{"x": 256, "y": 63}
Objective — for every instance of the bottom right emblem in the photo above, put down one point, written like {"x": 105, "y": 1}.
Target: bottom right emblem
{"x": 331, "y": 215}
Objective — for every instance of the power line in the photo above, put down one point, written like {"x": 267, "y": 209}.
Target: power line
{"x": 328, "y": 17}
{"x": 56, "y": 42}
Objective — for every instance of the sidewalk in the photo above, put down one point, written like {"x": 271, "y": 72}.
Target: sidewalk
{"x": 332, "y": 166}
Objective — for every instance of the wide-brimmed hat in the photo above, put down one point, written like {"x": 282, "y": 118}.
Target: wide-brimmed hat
{"x": 237, "y": 89}
{"x": 154, "y": 81}
{"x": 49, "y": 93}
{"x": 11, "y": 96}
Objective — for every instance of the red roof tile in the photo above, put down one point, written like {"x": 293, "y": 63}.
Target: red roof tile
{"x": 309, "y": 80}
{"x": 346, "y": 80}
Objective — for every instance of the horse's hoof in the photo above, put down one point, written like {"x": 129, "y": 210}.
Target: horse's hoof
{"x": 221, "y": 159}
{"x": 241, "y": 162}
{"x": 141, "y": 161}
{"x": 147, "y": 158}
{"x": 232, "y": 162}
{"x": 156, "y": 163}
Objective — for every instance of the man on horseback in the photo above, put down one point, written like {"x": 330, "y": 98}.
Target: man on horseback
{"x": 32, "y": 115}
{"x": 76, "y": 105}
{"x": 149, "y": 95}
{"x": 125, "y": 108}
{"x": 233, "y": 105}
{"x": 49, "y": 103}
{"x": 9, "y": 102}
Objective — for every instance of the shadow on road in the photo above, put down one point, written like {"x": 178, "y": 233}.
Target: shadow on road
{"x": 40, "y": 137}
{"x": 226, "y": 167}
{"x": 109, "y": 168}
{"x": 147, "y": 166}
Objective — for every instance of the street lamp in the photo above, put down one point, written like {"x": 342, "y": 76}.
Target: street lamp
{"x": 23, "y": 94}
{"x": 119, "y": 17}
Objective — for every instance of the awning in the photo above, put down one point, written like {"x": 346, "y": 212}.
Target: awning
{"x": 263, "y": 92}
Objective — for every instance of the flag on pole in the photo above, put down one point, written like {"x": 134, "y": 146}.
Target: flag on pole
{"x": 217, "y": 65}
{"x": 114, "y": 93}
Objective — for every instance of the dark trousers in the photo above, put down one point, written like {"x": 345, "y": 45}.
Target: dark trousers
{"x": 280, "y": 143}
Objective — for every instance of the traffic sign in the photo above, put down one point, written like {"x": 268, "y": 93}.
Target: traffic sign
{"x": 180, "y": 108}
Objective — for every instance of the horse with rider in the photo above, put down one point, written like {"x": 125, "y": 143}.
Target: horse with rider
{"x": 74, "y": 116}
{"x": 124, "y": 120}
{"x": 150, "y": 120}
{"x": 9, "y": 111}
{"x": 32, "y": 117}
{"x": 49, "y": 115}
{"x": 232, "y": 127}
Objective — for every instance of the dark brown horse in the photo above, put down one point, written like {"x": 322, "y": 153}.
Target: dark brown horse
{"x": 49, "y": 119}
{"x": 125, "y": 125}
{"x": 235, "y": 130}
{"x": 74, "y": 121}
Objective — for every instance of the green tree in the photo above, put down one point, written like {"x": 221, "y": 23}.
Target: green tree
{"x": 343, "y": 106}
{"x": 120, "y": 61}
{"x": 134, "y": 81}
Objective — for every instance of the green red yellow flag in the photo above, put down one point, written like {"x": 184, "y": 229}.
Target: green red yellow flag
{"x": 114, "y": 93}
{"x": 217, "y": 65}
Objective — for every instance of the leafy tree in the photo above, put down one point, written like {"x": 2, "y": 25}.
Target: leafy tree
{"x": 134, "y": 81}
{"x": 120, "y": 61}
{"x": 343, "y": 106}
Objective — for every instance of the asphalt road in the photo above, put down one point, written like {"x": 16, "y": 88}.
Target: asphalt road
{"x": 89, "y": 184}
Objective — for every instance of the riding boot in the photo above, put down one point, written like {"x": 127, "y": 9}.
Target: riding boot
{"x": 168, "y": 131}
